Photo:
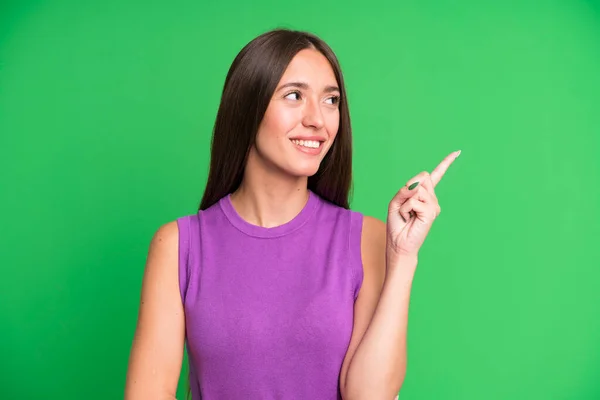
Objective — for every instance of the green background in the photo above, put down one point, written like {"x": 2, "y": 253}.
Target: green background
{"x": 106, "y": 110}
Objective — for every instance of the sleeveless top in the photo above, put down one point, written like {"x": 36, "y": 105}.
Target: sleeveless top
{"x": 269, "y": 311}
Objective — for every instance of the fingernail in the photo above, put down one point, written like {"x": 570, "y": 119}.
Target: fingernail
{"x": 458, "y": 154}
{"x": 414, "y": 185}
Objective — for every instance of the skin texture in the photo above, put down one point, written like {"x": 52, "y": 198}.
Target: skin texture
{"x": 304, "y": 104}
{"x": 273, "y": 191}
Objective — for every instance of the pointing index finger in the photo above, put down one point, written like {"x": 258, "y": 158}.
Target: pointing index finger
{"x": 440, "y": 170}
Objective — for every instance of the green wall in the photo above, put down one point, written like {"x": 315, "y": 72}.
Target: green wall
{"x": 106, "y": 109}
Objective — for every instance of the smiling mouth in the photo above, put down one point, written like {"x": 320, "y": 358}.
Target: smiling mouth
{"x": 309, "y": 144}
{"x": 308, "y": 147}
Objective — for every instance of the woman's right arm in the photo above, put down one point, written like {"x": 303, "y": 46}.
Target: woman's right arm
{"x": 157, "y": 349}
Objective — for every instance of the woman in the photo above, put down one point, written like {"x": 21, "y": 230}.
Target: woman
{"x": 277, "y": 288}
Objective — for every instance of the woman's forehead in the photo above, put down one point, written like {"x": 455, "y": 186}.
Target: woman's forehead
{"x": 312, "y": 68}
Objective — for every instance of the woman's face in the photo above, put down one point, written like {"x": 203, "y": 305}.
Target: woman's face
{"x": 302, "y": 119}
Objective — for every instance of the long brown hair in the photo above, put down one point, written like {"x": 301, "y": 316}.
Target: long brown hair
{"x": 249, "y": 86}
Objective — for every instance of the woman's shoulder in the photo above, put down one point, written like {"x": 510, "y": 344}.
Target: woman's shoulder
{"x": 193, "y": 217}
{"x": 373, "y": 226}
{"x": 373, "y": 238}
{"x": 168, "y": 233}
{"x": 373, "y": 232}
{"x": 165, "y": 238}
{"x": 162, "y": 258}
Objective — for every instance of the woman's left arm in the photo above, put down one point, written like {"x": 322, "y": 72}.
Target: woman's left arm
{"x": 375, "y": 363}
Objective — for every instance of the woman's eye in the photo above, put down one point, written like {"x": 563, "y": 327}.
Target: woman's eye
{"x": 333, "y": 100}
{"x": 293, "y": 96}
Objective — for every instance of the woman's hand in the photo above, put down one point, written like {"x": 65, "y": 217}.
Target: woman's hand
{"x": 412, "y": 211}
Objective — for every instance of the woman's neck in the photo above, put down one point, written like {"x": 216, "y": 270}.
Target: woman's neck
{"x": 269, "y": 198}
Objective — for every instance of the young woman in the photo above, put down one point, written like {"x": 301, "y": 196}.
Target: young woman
{"x": 279, "y": 290}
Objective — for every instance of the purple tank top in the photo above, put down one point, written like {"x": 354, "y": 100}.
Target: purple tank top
{"x": 269, "y": 311}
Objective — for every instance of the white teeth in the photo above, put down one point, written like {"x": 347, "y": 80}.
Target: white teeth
{"x": 307, "y": 143}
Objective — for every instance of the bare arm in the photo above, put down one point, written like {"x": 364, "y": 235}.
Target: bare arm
{"x": 157, "y": 349}
{"x": 375, "y": 364}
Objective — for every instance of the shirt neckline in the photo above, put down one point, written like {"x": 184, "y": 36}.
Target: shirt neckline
{"x": 262, "y": 232}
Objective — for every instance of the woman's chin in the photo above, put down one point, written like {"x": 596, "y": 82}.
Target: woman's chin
{"x": 305, "y": 171}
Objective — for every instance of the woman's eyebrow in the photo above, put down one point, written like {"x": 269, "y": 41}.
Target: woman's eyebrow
{"x": 329, "y": 89}
{"x": 304, "y": 85}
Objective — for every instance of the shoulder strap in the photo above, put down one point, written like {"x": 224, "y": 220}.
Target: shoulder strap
{"x": 356, "y": 225}
{"x": 188, "y": 236}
